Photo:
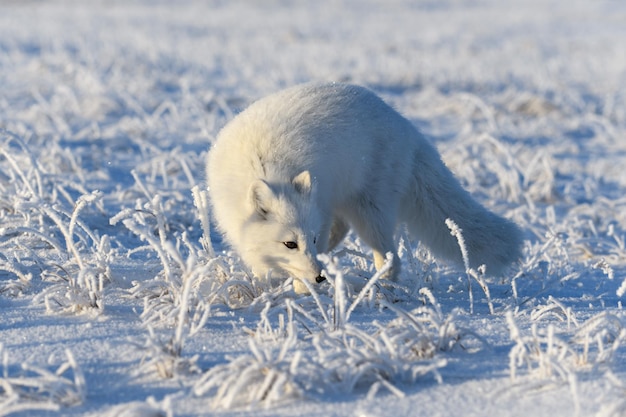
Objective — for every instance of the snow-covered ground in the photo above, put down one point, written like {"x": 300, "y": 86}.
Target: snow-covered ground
{"x": 114, "y": 303}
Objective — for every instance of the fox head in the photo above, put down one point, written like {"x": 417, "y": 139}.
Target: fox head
{"x": 282, "y": 234}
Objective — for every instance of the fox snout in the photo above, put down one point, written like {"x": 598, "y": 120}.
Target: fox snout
{"x": 316, "y": 269}
{"x": 301, "y": 288}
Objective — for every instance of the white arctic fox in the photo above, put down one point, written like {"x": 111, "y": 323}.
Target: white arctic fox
{"x": 290, "y": 175}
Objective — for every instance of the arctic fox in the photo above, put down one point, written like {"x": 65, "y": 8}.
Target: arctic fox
{"x": 290, "y": 175}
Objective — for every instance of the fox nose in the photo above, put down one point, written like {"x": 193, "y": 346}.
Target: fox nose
{"x": 320, "y": 278}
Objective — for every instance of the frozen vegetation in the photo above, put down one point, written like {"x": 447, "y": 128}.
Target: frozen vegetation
{"x": 118, "y": 298}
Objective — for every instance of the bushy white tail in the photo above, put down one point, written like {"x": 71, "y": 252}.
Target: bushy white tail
{"x": 436, "y": 195}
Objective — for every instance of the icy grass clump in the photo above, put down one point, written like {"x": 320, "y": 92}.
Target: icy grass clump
{"x": 172, "y": 298}
{"x": 79, "y": 287}
{"x": 35, "y": 388}
{"x": 332, "y": 355}
{"x": 553, "y": 360}
{"x": 192, "y": 283}
{"x": 16, "y": 286}
{"x": 36, "y": 222}
{"x": 266, "y": 376}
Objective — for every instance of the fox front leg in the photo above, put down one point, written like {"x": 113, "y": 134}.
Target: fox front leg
{"x": 380, "y": 259}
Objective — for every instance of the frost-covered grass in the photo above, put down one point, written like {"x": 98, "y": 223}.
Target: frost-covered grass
{"x": 118, "y": 298}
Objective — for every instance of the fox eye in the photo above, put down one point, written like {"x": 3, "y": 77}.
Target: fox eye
{"x": 291, "y": 245}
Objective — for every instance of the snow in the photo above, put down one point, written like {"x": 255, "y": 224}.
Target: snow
{"x": 113, "y": 302}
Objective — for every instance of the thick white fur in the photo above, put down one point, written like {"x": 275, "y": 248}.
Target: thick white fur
{"x": 308, "y": 163}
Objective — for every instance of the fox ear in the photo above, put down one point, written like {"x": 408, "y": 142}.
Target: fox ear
{"x": 260, "y": 196}
{"x": 302, "y": 182}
